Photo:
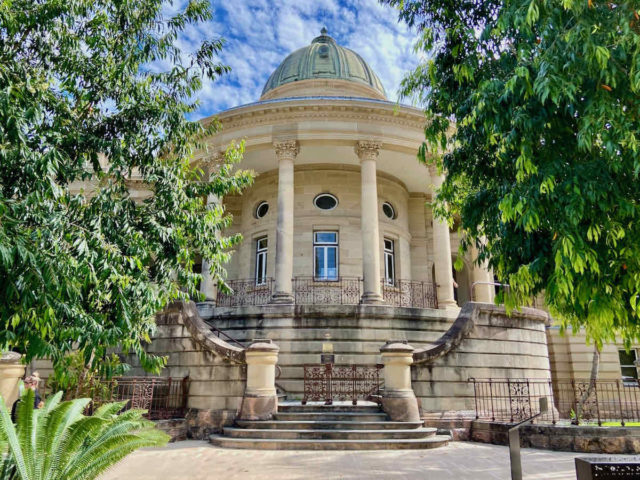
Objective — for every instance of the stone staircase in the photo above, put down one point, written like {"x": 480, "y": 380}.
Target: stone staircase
{"x": 329, "y": 427}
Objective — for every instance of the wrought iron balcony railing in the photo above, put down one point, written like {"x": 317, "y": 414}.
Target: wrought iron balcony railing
{"x": 409, "y": 293}
{"x": 341, "y": 291}
{"x": 246, "y": 292}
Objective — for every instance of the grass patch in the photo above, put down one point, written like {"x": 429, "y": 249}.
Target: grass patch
{"x": 618, "y": 424}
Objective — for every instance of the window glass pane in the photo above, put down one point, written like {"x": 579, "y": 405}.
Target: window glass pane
{"x": 627, "y": 358}
{"x": 325, "y": 202}
{"x": 389, "y": 266}
{"x": 320, "y": 267}
{"x": 262, "y": 210}
{"x": 259, "y": 269}
{"x": 262, "y": 243}
{"x": 629, "y": 373}
{"x": 388, "y": 245}
{"x": 388, "y": 210}
{"x": 326, "y": 237}
{"x": 332, "y": 264}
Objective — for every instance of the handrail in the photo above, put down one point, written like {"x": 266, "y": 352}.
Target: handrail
{"x": 494, "y": 284}
{"x": 226, "y": 337}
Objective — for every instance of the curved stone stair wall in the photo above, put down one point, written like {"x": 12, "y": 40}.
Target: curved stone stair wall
{"x": 357, "y": 333}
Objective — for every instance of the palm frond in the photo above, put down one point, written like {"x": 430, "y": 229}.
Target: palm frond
{"x": 60, "y": 442}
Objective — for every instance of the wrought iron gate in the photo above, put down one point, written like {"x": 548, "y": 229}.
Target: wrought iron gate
{"x": 329, "y": 382}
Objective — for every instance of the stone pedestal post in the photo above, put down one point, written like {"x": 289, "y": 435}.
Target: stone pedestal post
{"x": 260, "y": 399}
{"x": 286, "y": 153}
{"x": 442, "y": 256}
{"x": 11, "y": 371}
{"x": 399, "y": 402}
{"x": 368, "y": 151}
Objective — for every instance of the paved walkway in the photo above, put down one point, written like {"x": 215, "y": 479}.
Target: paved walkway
{"x": 195, "y": 460}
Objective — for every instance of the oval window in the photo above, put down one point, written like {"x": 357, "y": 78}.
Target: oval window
{"x": 388, "y": 210}
{"x": 262, "y": 209}
{"x": 325, "y": 201}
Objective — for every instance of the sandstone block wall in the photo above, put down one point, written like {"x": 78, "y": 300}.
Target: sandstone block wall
{"x": 342, "y": 181}
{"x": 217, "y": 380}
{"x": 357, "y": 332}
{"x": 496, "y": 346}
{"x": 572, "y": 356}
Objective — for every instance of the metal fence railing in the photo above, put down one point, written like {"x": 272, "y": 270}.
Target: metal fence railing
{"x": 162, "y": 397}
{"x": 575, "y": 401}
{"x": 329, "y": 382}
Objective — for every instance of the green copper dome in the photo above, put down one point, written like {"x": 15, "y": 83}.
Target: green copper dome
{"x": 324, "y": 59}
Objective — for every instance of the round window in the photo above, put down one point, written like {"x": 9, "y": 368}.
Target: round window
{"x": 388, "y": 210}
{"x": 262, "y": 209}
{"x": 325, "y": 201}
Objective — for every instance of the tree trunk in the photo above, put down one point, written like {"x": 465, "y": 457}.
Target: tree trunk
{"x": 595, "y": 365}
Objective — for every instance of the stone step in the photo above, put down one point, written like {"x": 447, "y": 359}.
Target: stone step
{"x": 331, "y": 416}
{"x": 328, "y": 408}
{"x": 329, "y": 444}
{"x": 329, "y": 434}
{"x": 325, "y": 425}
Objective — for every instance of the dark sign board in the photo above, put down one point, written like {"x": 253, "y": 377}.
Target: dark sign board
{"x": 327, "y": 358}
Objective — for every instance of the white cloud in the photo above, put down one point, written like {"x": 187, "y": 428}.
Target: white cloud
{"x": 259, "y": 34}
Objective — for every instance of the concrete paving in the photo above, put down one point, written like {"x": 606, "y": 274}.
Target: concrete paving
{"x": 198, "y": 460}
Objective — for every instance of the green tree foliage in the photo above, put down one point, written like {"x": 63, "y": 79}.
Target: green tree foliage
{"x": 95, "y": 97}
{"x": 58, "y": 441}
{"x": 536, "y": 104}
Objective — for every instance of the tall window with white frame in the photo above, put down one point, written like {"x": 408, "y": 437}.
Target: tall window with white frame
{"x": 261, "y": 261}
{"x": 325, "y": 256}
{"x": 629, "y": 366}
{"x": 389, "y": 262}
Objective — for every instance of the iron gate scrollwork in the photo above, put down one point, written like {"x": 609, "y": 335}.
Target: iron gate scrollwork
{"x": 330, "y": 382}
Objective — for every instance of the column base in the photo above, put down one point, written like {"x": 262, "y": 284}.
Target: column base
{"x": 401, "y": 406}
{"x": 258, "y": 408}
{"x": 282, "y": 298}
{"x": 448, "y": 305}
{"x": 372, "y": 299}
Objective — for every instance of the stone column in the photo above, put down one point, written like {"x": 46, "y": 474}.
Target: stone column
{"x": 286, "y": 153}
{"x": 368, "y": 151}
{"x": 481, "y": 274}
{"x": 260, "y": 399}
{"x": 207, "y": 285}
{"x": 11, "y": 371}
{"x": 399, "y": 402}
{"x": 442, "y": 256}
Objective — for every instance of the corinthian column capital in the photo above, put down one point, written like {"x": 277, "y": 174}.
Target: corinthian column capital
{"x": 286, "y": 149}
{"x": 214, "y": 160}
{"x": 368, "y": 149}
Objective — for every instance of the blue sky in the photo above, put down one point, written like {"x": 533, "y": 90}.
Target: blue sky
{"x": 259, "y": 34}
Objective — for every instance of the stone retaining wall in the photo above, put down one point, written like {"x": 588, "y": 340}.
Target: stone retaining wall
{"x": 216, "y": 370}
{"x": 357, "y": 332}
{"x": 570, "y": 438}
{"x": 483, "y": 343}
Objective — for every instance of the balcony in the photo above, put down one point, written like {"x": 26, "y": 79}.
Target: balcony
{"x": 342, "y": 291}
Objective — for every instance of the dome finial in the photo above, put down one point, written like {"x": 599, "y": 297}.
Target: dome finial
{"x": 324, "y": 31}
